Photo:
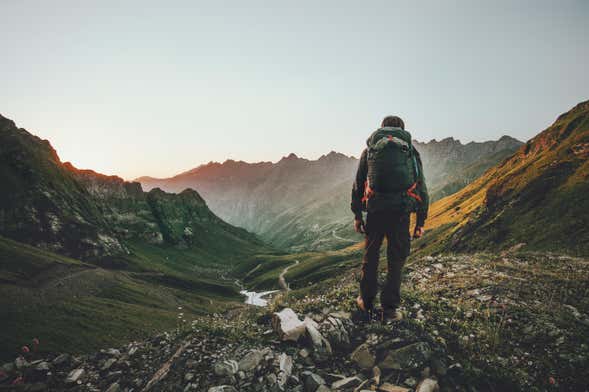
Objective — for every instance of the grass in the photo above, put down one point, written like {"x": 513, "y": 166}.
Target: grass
{"x": 73, "y": 306}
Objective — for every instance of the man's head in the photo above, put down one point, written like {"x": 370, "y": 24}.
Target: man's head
{"x": 393, "y": 121}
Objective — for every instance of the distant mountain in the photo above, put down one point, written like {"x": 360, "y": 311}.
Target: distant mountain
{"x": 75, "y": 242}
{"x": 539, "y": 196}
{"x": 303, "y": 204}
{"x": 450, "y": 165}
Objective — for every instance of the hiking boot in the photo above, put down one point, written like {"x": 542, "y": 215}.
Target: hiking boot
{"x": 364, "y": 316}
{"x": 388, "y": 315}
{"x": 365, "y": 312}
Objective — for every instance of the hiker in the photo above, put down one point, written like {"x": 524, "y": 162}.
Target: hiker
{"x": 389, "y": 186}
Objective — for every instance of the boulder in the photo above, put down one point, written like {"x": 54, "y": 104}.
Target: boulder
{"x": 363, "y": 357}
{"x": 412, "y": 356}
{"x": 287, "y": 324}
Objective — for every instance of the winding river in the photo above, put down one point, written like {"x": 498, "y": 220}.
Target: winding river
{"x": 258, "y": 298}
{"x": 255, "y": 298}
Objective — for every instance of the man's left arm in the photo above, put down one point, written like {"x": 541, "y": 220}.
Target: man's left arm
{"x": 423, "y": 208}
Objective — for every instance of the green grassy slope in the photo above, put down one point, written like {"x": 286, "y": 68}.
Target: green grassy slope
{"x": 76, "y": 307}
{"x": 538, "y": 197}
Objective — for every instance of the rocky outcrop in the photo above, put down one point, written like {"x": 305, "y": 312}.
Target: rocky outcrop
{"x": 203, "y": 362}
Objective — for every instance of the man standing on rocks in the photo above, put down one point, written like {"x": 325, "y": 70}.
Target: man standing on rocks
{"x": 389, "y": 186}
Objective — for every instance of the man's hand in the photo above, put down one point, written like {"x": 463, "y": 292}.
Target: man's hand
{"x": 418, "y": 232}
{"x": 359, "y": 226}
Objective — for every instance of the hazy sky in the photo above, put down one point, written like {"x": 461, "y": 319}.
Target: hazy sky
{"x": 154, "y": 88}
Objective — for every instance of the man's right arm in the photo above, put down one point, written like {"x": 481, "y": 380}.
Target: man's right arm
{"x": 358, "y": 187}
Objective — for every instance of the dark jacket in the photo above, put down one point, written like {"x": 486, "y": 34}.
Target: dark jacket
{"x": 359, "y": 183}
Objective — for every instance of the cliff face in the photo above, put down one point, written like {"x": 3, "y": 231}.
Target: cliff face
{"x": 84, "y": 214}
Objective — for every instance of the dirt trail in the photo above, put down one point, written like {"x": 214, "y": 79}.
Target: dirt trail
{"x": 282, "y": 280}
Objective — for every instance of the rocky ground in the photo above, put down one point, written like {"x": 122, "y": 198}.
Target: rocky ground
{"x": 471, "y": 322}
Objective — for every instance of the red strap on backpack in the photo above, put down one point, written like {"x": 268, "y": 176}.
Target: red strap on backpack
{"x": 368, "y": 192}
{"x": 411, "y": 193}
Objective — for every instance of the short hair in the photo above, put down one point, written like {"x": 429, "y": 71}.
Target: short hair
{"x": 393, "y": 121}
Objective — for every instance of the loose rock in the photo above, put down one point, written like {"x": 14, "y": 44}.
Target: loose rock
{"x": 287, "y": 324}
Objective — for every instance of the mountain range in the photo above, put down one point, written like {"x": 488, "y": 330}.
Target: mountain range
{"x": 301, "y": 204}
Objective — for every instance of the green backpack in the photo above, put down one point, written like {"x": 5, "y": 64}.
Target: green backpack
{"x": 392, "y": 171}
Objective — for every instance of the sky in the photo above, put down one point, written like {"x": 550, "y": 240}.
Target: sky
{"x": 155, "y": 88}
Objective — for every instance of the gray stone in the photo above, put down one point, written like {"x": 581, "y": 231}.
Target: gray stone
{"x": 108, "y": 364}
{"x": 311, "y": 381}
{"x": 226, "y": 368}
{"x": 21, "y": 363}
{"x": 428, "y": 385}
{"x": 411, "y": 382}
{"x": 114, "y": 387}
{"x": 285, "y": 365}
{"x": 321, "y": 347}
{"x": 188, "y": 377}
{"x": 251, "y": 360}
{"x": 348, "y": 382}
{"x": 42, "y": 366}
{"x": 287, "y": 324}
{"x": 74, "y": 376}
{"x": 62, "y": 359}
{"x": 412, "y": 356}
{"x": 223, "y": 388}
{"x": 271, "y": 379}
{"x": 363, "y": 357}
{"x": 386, "y": 387}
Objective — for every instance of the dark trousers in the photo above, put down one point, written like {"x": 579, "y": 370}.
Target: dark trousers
{"x": 395, "y": 227}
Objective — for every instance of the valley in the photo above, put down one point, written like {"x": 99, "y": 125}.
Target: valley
{"x": 126, "y": 289}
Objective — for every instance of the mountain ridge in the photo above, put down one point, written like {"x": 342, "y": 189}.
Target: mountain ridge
{"x": 260, "y": 197}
